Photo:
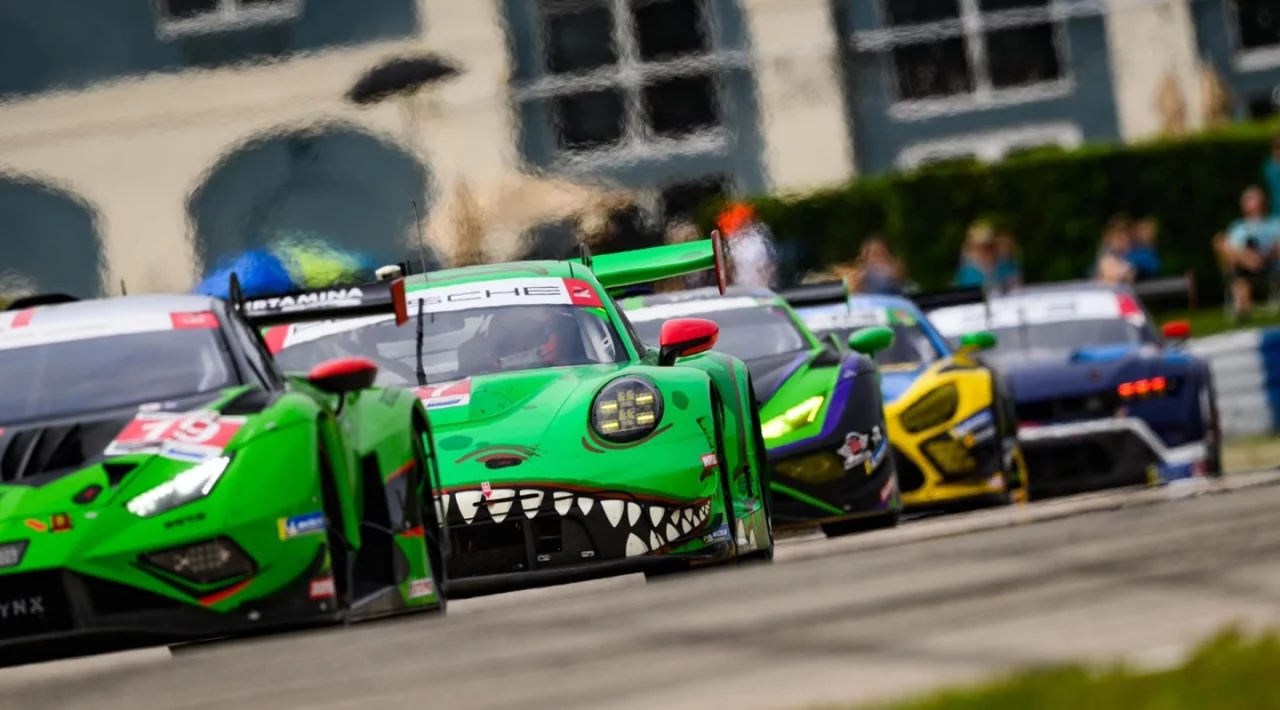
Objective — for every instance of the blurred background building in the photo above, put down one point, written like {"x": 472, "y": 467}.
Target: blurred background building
{"x": 148, "y": 141}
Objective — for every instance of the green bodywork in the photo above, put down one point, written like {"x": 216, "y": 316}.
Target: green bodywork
{"x": 519, "y": 446}
{"x": 542, "y": 417}
{"x": 299, "y": 456}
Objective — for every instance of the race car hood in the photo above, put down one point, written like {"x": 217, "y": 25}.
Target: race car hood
{"x": 1041, "y": 374}
{"x": 516, "y": 407}
{"x": 770, "y": 374}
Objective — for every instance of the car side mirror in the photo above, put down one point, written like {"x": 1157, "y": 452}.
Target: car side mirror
{"x": 1176, "y": 330}
{"x": 981, "y": 340}
{"x": 344, "y": 375}
{"x": 870, "y": 341}
{"x": 682, "y": 337}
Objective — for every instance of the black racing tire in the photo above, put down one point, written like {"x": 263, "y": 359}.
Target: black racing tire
{"x": 1215, "y": 421}
{"x": 869, "y": 523}
{"x": 432, "y": 525}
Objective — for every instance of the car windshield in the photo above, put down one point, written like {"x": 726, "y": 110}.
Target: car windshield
{"x": 748, "y": 333}
{"x": 911, "y": 344}
{"x": 459, "y": 344}
{"x": 67, "y": 378}
{"x": 1066, "y": 335}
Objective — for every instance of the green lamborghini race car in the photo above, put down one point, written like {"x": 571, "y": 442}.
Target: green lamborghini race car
{"x": 824, "y": 421}
{"x": 162, "y": 481}
{"x": 569, "y": 449}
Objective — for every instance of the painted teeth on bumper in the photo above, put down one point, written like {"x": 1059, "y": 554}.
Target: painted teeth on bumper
{"x": 534, "y": 527}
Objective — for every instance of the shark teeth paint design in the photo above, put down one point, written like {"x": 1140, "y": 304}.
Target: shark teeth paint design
{"x": 604, "y": 525}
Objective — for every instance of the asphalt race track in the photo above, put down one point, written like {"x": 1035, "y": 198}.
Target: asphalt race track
{"x": 1139, "y": 574}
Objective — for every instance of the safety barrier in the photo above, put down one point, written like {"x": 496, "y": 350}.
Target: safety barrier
{"x": 1246, "y": 375}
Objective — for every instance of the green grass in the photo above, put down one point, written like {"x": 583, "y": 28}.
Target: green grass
{"x": 1251, "y": 453}
{"x": 1231, "y": 671}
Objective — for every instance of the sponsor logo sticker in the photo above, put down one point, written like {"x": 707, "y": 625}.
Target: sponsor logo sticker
{"x": 863, "y": 449}
{"x": 451, "y": 394}
{"x": 300, "y": 525}
{"x": 718, "y": 535}
{"x": 21, "y": 607}
{"x": 710, "y": 460}
{"x": 322, "y": 589}
{"x": 419, "y": 588}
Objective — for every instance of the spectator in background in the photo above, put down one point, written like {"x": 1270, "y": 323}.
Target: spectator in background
{"x": 751, "y": 252}
{"x": 1112, "y": 264}
{"x": 879, "y": 271}
{"x": 1271, "y": 176}
{"x": 1250, "y": 247}
{"x": 1008, "y": 270}
{"x": 1142, "y": 252}
{"x": 978, "y": 259}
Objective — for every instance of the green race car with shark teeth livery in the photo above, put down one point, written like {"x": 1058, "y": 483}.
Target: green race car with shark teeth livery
{"x": 569, "y": 449}
{"x": 162, "y": 481}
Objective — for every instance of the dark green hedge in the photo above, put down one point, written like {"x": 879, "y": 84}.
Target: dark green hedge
{"x": 1056, "y": 202}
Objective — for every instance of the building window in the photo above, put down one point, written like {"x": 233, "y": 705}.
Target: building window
{"x": 185, "y": 18}
{"x": 628, "y": 79}
{"x": 1257, "y": 24}
{"x": 991, "y": 147}
{"x": 946, "y": 54}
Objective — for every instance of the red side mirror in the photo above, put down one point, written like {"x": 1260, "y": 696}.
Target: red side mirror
{"x": 682, "y": 337}
{"x": 343, "y": 375}
{"x": 1176, "y": 330}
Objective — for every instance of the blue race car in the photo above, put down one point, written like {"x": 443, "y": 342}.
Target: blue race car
{"x": 1103, "y": 398}
{"x": 952, "y": 429}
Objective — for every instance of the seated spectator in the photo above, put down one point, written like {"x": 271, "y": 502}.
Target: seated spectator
{"x": 1142, "y": 253}
{"x": 978, "y": 259}
{"x": 1112, "y": 264}
{"x": 880, "y": 271}
{"x": 1008, "y": 270}
{"x": 1250, "y": 247}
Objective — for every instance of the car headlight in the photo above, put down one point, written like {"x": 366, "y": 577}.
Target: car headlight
{"x": 627, "y": 409}
{"x": 798, "y": 416}
{"x": 933, "y": 409}
{"x": 186, "y": 487}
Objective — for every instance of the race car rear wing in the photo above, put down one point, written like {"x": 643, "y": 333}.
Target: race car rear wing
{"x": 1169, "y": 289}
{"x": 823, "y": 293}
{"x": 641, "y": 266}
{"x": 354, "y": 301}
{"x": 933, "y": 300}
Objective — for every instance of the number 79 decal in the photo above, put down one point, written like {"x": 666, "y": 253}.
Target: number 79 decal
{"x": 189, "y": 436}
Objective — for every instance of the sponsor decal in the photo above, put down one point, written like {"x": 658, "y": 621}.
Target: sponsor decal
{"x": 710, "y": 460}
{"x": 863, "y": 449}
{"x": 300, "y": 525}
{"x": 720, "y": 534}
{"x": 581, "y": 294}
{"x": 11, "y": 553}
{"x": 201, "y": 320}
{"x": 37, "y": 525}
{"x": 190, "y": 436}
{"x": 419, "y": 588}
{"x": 486, "y": 490}
{"x": 450, "y": 394}
{"x": 996, "y": 482}
{"x": 184, "y": 520}
{"x": 323, "y": 588}
{"x": 887, "y": 490}
{"x": 304, "y": 301}
{"x": 61, "y": 522}
{"x": 1174, "y": 472}
{"x": 976, "y": 429}
{"x": 493, "y": 294}
{"x": 21, "y": 607}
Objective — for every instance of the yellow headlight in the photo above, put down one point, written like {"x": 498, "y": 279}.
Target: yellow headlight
{"x": 933, "y": 409}
{"x": 626, "y": 410}
{"x": 798, "y": 416}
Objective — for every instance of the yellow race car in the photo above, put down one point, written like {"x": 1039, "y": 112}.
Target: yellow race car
{"x": 950, "y": 417}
